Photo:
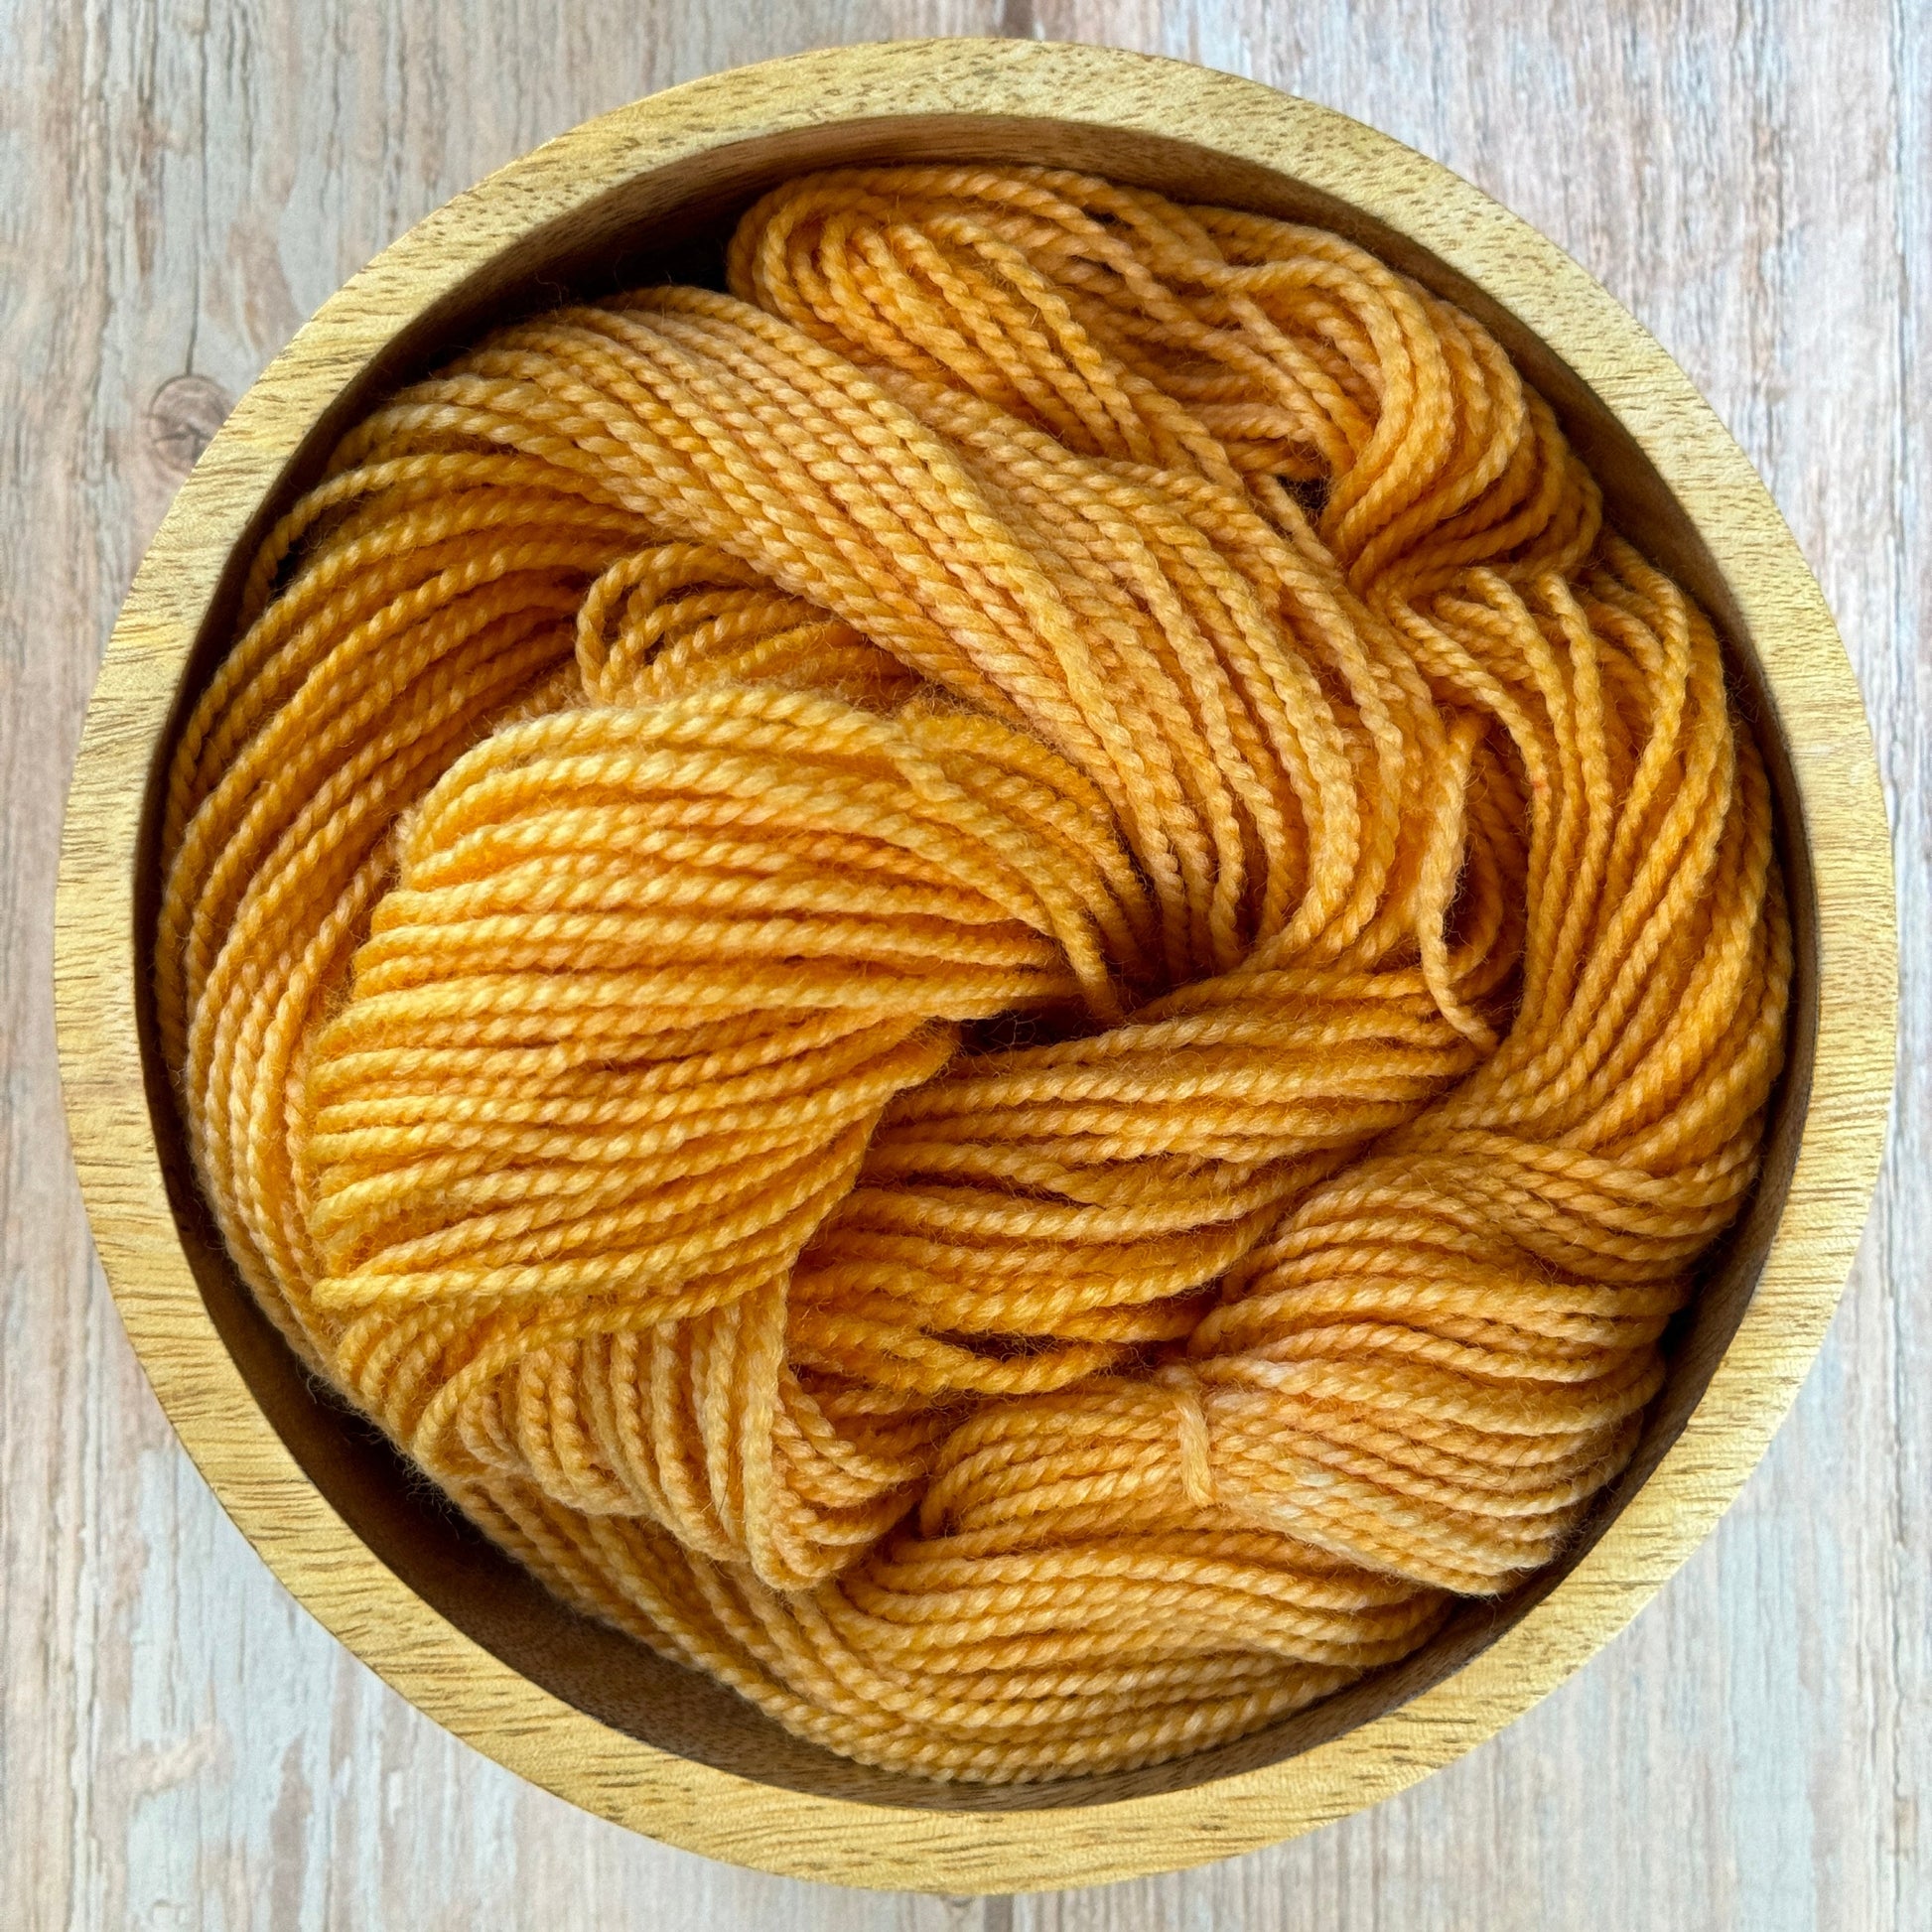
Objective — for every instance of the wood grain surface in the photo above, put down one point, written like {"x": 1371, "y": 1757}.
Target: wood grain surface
{"x": 511, "y": 1670}
{"x": 178, "y": 1745}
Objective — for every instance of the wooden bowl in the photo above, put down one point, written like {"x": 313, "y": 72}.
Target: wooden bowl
{"x": 456, "y": 1627}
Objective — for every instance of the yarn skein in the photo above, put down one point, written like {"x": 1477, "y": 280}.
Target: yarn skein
{"x": 1001, "y": 986}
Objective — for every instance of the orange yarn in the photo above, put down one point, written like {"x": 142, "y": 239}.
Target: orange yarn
{"x": 1002, "y": 986}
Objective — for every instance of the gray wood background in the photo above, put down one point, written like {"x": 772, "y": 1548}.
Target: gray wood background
{"x": 181, "y": 182}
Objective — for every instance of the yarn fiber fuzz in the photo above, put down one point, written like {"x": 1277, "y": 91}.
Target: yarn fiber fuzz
{"x": 1001, "y": 986}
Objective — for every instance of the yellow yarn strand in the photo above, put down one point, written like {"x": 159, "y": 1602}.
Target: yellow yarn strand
{"x": 1001, "y": 986}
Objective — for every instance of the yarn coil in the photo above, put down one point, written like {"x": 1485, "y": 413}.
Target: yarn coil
{"x": 1001, "y": 986}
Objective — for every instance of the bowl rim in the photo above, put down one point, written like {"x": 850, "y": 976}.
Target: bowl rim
{"x": 452, "y": 1677}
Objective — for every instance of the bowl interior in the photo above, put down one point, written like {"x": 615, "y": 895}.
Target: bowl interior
{"x": 670, "y": 223}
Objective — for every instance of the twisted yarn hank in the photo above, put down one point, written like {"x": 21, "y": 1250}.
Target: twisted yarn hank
{"x": 1001, "y": 986}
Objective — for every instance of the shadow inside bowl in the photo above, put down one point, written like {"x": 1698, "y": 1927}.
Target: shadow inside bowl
{"x": 670, "y": 224}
